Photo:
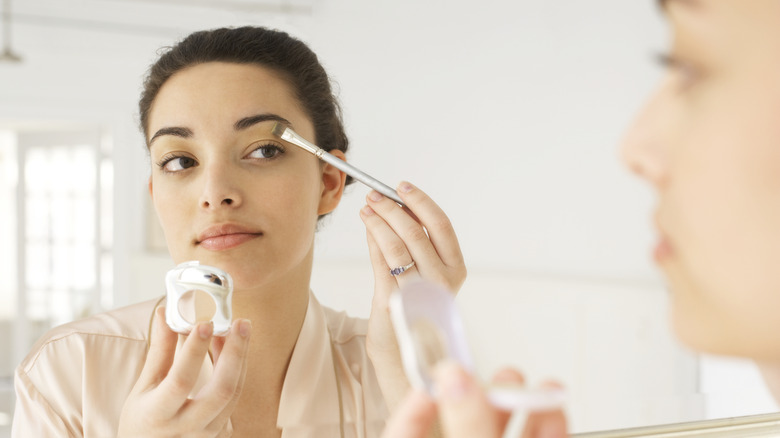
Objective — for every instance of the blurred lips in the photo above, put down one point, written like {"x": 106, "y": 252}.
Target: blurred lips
{"x": 225, "y": 236}
{"x": 663, "y": 248}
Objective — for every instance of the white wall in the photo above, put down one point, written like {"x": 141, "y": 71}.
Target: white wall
{"x": 508, "y": 113}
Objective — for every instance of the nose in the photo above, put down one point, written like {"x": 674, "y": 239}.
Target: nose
{"x": 644, "y": 148}
{"x": 221, "y": 187}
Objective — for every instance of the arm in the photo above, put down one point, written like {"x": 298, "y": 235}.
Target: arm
{"x": 33, "y": 415}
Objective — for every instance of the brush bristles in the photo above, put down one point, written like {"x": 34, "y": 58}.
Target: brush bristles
{"x": 278, "y": 129}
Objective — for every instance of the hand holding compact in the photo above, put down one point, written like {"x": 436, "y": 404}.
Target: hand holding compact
{"x": 160, "y": 403}
{"x": 464, "y": 410}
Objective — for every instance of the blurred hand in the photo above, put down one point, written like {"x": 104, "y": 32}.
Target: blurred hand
{"x": 464, "y": 411}
{"x": 397, "y": 236}
{"x": 159, "y": 404}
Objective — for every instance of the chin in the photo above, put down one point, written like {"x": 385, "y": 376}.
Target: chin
{"x": 692, "y": 327}
{"x": 721, "y": 336}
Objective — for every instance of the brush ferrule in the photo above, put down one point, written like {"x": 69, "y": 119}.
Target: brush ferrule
{"x": 293, "y": 137}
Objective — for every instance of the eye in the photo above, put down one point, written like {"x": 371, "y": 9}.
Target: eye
{"x": 686, "y": 73}
{"x": 266, "y": 152}
{"x": 176, "y": 163}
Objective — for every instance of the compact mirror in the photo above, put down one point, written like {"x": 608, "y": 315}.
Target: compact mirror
{"x": 197, "y": 293}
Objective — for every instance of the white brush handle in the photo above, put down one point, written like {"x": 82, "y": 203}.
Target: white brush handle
{"x": 293, "y": 137}
{"x": 361, "y": 176}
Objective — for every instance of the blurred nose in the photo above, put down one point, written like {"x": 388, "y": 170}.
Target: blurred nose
{"x": 221, "y": 188}
{"x": 644, "y": 149}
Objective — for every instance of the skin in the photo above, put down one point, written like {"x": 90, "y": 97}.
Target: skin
{"x": 708, "y": 142}
{"x": 231, "y": 195}
{"x": 395, "y": 237}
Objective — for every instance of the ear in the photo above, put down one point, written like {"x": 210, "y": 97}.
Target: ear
{"x": 151, "y": 192}
{"x": 333, "y": 183}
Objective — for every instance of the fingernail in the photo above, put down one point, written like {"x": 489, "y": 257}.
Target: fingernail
{"x": 205, "y": 330}
{"x": 405, "y": 187}
{"x": 451, "y": 381}
{"x": 244, "y": 328}
{"x": 368, "y": 211}
{"x": 375, "y": 196}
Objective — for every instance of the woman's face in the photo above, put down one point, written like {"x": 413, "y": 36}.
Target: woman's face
{"x": 227, "y": 192}
{"x": 709, "y": 143}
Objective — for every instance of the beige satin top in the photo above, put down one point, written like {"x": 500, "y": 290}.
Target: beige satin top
{"x": 76, "y": 378}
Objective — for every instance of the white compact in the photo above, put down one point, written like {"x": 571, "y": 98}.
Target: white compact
{"x": 197, "y": 293}
{"x": 429, "y": 329}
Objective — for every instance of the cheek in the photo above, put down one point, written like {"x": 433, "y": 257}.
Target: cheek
{"x": 170, "y": 207}
{"x": 295, "y": 196}
{"x": 725, "y": 195}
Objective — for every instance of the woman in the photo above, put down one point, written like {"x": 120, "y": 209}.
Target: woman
{"x": 231, "y": 195}
{"x": 709, "y": 143}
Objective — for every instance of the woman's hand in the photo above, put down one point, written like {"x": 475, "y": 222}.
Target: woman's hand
{"x": 397, "y": 236}
{"x": 159, "y": 404}
{"x": 464, "y": 411}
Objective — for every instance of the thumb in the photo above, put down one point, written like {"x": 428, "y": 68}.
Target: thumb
{"x": 546, "y": 424}
{"x": 464, "y": 409}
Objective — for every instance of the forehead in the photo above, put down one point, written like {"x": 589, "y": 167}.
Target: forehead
{"x": 753, "y": 8}
{"x": 727, "y": 24}
{"x": 222, "y": 92}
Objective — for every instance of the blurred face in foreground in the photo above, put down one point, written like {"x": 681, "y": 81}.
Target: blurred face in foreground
{"x": 709, "y": 144}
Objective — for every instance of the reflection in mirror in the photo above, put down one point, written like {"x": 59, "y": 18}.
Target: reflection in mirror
{"x": 512, "y": 128}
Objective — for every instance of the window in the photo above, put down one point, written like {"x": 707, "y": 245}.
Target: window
{"x": 56, "y": 219}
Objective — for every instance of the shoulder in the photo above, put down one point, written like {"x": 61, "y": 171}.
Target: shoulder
{"x": 89, "y": 365}
{"x": 126, "y": 325}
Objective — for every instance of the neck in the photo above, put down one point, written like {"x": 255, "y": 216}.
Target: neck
{"x": 277, "y": 309}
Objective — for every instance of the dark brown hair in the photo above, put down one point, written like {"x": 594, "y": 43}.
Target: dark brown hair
{"x": 275, "y": 50}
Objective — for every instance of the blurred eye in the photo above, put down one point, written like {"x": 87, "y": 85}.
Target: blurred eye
{"x": 686, "y": 74}
{"x": 267, "y": 152}
{"x": 177, "y": 163}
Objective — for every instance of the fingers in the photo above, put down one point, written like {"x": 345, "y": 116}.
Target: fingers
{"x": 181, "y": 379}
{"x": 440, "y": 230}
{"x": 506, "y": 376}
{"x": 384, "y": 280}
{"x": 413, "y": 419}
{"x": 162, "y": 348}
{"x": 464, "y": 409}
{"x": 550, "y": 424}
{"x": 422, "y": 233}
{"x": 221, "y": 393}
{"x": 217, "y": 344}
{"x": 437, "y": 223}
{"x": 389, "y": 250}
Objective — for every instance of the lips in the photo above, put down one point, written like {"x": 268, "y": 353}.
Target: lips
{"x": 663, "y": 248}
{"x": 225, "y": 236}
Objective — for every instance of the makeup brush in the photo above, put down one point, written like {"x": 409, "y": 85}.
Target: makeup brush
{"x": 290, "y": 136}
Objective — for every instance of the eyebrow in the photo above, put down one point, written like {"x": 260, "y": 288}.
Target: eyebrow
{"x": 174, "y": 130}
{"x": 664, "y": 4}
{"x": 246, "y": 122}
{"x": 240, "y": 125}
